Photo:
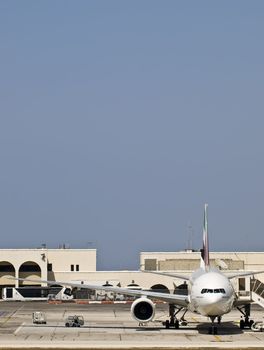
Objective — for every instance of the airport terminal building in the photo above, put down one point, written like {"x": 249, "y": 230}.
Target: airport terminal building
{"x": 79, "y": 265}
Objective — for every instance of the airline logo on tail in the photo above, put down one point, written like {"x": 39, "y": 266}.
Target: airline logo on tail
{"x": 205, "y": 249}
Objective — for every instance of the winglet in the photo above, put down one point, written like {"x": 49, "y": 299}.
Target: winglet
{"x": 205, "y": 250}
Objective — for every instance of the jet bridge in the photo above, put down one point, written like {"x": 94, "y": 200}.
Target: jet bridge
{"x": 256, "y": 295}
{"x": 257, "y": 292}
{"x": 251, "y": 289}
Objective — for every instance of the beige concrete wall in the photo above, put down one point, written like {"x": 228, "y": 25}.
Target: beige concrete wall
{"x": 18, "y": 257}
{"x": 194, "y": 264}
{"x": 250, "y": 260}
{"x": 61, "y": 260}
{"x": 188, "y": 260}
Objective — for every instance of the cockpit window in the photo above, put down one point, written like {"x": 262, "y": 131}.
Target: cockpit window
{"x": 217, "y": 290}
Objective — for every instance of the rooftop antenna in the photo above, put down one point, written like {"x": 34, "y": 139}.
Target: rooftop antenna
{"x": 190, "y": 236}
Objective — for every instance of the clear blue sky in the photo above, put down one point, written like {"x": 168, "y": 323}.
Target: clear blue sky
{"x": 120, "y": 119}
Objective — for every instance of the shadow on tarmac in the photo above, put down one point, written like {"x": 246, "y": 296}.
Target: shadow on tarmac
{"x": 225, "y": 328}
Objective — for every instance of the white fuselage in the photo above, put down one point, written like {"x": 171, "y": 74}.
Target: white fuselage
{"x": 211, "y": 293}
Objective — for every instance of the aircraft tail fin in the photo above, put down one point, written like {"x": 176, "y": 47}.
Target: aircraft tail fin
{"x": 205, "y": 250}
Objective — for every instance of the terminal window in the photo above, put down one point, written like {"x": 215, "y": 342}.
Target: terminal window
{"x": 242, "y": 284}
{"x": 151, "y": 264}
{"x": 72, "y": 267}
{"x": 49, "y": 267}
{"x": 77, "y": 268}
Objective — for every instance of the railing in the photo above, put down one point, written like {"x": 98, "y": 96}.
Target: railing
{"x": 257, "y": 291}
{"x": 257, "y": 287}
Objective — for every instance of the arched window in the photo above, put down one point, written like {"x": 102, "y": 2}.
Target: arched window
{"x": 160, "y": 288}
{"x": 6, "y": 270}
{"x": 29, "y": 270}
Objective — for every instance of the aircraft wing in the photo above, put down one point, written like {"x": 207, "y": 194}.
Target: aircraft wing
{"x": 174, "y": 275}
{"x": 242, "y": 274}
{"x": 177, "y": 299}
{"x": 187, "y": 278}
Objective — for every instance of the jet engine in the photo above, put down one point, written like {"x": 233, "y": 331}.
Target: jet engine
{"x": 143, "y": 310}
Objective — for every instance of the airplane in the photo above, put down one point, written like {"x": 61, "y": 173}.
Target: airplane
{"x": 210, "y": 293}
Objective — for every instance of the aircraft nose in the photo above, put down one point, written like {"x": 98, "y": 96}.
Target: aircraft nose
{"x": 215, "y": 305}
{"x": 215, "y": 298}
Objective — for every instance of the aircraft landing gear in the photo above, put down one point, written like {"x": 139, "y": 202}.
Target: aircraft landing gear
{"x": 246, "y": 322}
{"x": 173, "y": 322}
{"x": 213, "y": 328}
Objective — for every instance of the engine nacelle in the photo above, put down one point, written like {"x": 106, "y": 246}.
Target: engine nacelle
{"x": 143, "y": 310}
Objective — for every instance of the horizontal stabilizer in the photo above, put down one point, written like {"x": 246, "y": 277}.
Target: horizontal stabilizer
{"x": 174, "y": 275}
{"x": 242, "y": 274}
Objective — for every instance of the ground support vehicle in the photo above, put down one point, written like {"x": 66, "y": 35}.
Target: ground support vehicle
{"x": 39, "y": 317}
{"x": 74, "y": 321}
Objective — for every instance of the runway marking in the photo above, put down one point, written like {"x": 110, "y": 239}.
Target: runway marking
{"x": 18, "y": 329}
{"x": 254, "y": 335}
{"x": 218, "y": 338}
{"x": 12, "y": 314}
{"x": 54, "y": 331}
